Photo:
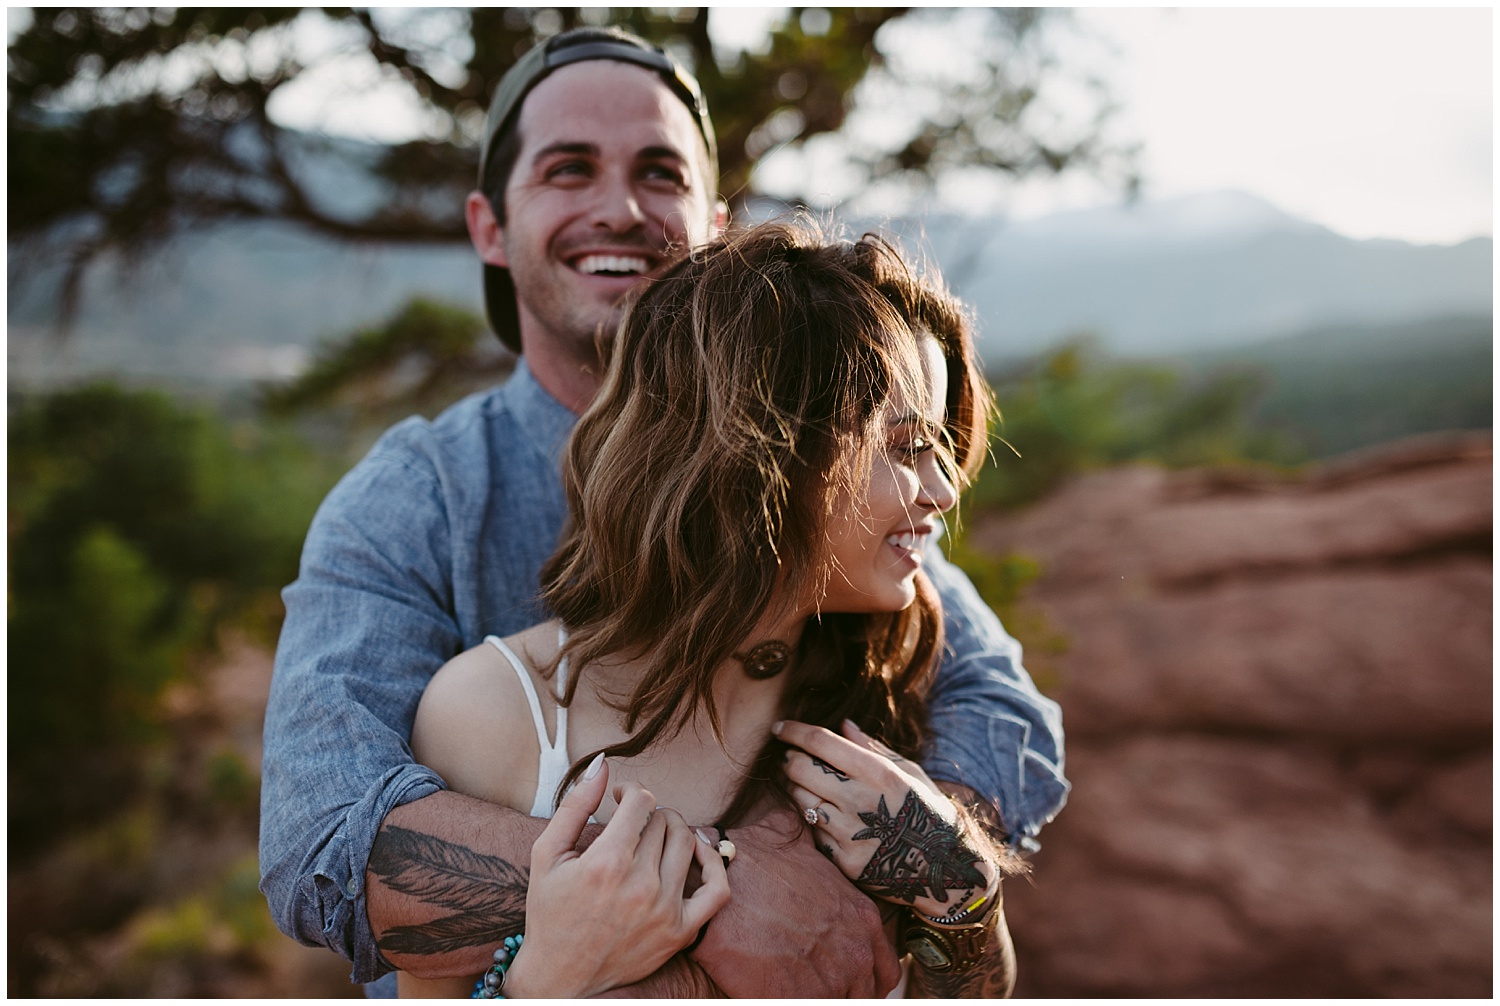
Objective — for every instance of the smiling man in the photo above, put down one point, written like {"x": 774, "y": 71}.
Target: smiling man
{"x": 602, "y": 174}
{"x": 598, "y": 165}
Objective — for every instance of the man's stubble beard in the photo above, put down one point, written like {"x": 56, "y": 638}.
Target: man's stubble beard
{"x": 571, "y": 327}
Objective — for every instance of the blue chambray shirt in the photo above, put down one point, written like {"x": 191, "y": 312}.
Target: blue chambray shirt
{"x": 435, "y": 540}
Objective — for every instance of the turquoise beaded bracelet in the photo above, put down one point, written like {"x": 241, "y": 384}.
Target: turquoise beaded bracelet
{"x": 491, "y": 984}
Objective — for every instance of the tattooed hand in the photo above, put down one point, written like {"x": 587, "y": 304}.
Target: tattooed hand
{"x": 614, "y": 913}
{"x": 883, "y": 821}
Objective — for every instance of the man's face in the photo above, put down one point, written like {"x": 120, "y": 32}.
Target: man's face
{"x": 609, "y": 177}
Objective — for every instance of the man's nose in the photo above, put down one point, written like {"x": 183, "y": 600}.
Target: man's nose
{"x": 617, "y": 209}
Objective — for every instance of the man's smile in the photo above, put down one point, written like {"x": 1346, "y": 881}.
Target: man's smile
{"x": 611, "y": 265}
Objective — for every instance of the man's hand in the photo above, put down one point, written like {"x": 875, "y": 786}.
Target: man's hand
{"x": 794, "y": 926}
{"x": 679, "y": 978}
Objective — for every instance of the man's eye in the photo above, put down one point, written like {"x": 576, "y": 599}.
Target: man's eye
{"x": 566, "y": 169}
{"x": 664, "y": 173}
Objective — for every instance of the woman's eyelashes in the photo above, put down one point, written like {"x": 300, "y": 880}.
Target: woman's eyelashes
{"x": 910, "y": 447}
{"x": 916, "y": 447}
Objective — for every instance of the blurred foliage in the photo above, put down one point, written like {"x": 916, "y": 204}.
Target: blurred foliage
{"x": 419, "y": 361}
{"x": 138, "y": 528}
{"x": 126, "y": 125}
{"x": 231, "y": 783}
{"x": 1074, "y": 410}
{"x": 1002, "y": 581}
{"x": 211, "y": 939}
{"x": 229, "y": 916}
{"x": 1339, "y": 389}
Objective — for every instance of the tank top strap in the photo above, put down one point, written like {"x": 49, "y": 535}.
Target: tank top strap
{"x": 552, "y": 758}
{"x": 530, "y": 688}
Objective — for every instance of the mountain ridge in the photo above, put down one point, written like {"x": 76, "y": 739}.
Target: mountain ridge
{"x": 254, "y": 300}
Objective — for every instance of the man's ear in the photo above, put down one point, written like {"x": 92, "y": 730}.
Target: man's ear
{"x": 720, "y": 219}
{"x": 485, "y": 232}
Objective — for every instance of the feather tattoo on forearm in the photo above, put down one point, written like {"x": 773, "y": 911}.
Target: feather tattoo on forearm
{"x": 486, "y": 894}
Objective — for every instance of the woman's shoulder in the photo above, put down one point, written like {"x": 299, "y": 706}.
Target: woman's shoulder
{"x": 474, "y": 725}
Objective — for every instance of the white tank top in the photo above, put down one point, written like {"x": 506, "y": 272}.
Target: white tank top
{"x": 553, "y": 762}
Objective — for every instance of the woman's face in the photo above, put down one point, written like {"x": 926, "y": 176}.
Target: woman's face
{"x": 876, "y": 538}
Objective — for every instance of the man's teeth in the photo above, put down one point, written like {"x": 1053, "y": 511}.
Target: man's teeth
{"x": 909, "y": 540}
{"x": 628, "y": 264}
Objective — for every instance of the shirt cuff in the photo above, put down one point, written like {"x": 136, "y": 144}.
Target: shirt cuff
{"x": 336, "y": 885}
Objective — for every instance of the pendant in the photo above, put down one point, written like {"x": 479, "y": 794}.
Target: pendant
{"x": 766, "y": 660}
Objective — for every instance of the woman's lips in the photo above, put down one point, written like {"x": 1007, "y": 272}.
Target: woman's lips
{"x": 909, "y": 544}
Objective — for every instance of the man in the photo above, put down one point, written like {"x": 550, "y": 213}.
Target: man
{"x": 598, "y": 162}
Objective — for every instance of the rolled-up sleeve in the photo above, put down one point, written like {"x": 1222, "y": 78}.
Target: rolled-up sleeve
{"x": 992, "y": 731}
{"x": 368, "y": 623}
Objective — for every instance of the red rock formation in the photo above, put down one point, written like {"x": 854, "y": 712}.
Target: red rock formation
{"x": 1278, "y": 709}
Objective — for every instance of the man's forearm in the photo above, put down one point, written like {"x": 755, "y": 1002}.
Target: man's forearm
{"x": 795, "y": 926}
{"x": 679, "y": 978}
{"x": 446, "y": 883}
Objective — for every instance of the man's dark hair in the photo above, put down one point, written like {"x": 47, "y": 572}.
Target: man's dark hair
{"x": 497, "y": 172}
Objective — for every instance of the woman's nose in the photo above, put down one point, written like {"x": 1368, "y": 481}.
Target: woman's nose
{"x": 937, "y": 491}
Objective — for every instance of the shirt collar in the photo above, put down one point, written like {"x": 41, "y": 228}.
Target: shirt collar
{"x": 546, "y": 421}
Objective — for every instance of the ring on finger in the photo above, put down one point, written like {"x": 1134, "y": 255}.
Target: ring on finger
{"x": 810, "y": 814}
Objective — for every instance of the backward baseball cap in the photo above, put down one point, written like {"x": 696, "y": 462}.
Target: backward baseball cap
{"x": 574, "y": 46}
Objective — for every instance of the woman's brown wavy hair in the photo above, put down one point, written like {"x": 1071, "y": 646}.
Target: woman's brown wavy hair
{"x": 740, "y": 404}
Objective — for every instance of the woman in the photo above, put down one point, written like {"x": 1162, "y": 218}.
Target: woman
{"x": 776, "y": 440}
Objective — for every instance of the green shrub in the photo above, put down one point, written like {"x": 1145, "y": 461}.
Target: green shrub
{"x": 138, "y": 527}
{"x": 1073, "y": 410}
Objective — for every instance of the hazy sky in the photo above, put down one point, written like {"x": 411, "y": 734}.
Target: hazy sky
{"x": 1375, "y": 122}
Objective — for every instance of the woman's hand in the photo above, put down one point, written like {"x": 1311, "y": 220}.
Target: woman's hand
{"x": 883, "y": 821}
{"x": 616, "y": 912}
